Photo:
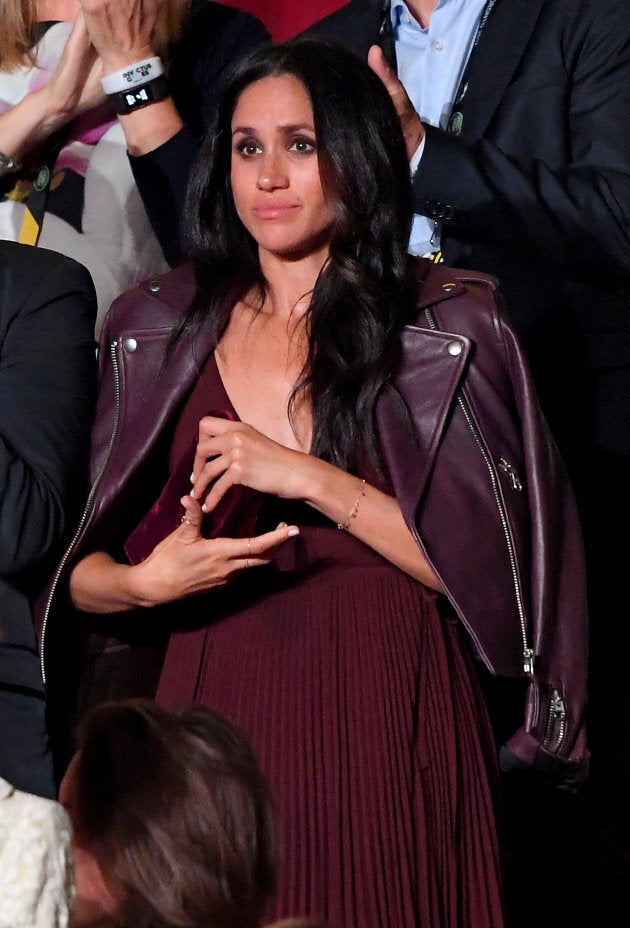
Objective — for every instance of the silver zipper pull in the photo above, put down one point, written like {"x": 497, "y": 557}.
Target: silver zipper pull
{"x": 528, "y": 661}
{"x": 558, "y": 709}
{"x": 512, "y": 473}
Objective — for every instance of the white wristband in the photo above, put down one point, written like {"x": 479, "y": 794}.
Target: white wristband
{"x": 140, "y": 72}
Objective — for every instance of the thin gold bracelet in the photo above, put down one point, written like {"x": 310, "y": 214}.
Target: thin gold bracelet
{"x": 344, "y": 526}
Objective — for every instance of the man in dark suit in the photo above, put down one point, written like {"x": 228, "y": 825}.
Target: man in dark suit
{"x": 526, "y": 174}
{"x": 47, "y": 390}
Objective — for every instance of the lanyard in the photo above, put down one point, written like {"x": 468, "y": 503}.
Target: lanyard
{"x": 35, "y": 202}
{"x": 455, "y": 122}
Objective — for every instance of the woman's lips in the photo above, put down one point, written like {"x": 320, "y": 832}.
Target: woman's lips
{"x": 273, "y": 210}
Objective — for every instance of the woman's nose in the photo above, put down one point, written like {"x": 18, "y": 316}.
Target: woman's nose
{"x": 272, "y": 172}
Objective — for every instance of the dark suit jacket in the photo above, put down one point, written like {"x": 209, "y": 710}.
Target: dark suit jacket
{"x": 47, "y": 389}
{"x": 536, "y": 190}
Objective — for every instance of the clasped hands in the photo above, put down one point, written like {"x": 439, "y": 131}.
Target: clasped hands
{"x": 106, "y": 35}
{"x": 228, "y": 453}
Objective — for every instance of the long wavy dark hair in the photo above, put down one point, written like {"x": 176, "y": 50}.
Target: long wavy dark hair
{"x": 365, "y": 291}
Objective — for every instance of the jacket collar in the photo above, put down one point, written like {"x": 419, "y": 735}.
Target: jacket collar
{"x": 412, "y": 413}
{"x": 425, "y": 385}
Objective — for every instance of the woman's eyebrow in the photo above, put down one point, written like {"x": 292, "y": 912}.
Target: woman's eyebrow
{"x": 290, "y": 127}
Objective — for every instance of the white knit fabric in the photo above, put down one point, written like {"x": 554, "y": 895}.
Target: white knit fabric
{"x": 36, "y": 880}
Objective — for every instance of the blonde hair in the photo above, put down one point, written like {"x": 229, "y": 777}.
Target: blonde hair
{"x": 18, "y": 19}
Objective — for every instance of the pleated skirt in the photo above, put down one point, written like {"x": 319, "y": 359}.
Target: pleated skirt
{"x": 358, "y": 694}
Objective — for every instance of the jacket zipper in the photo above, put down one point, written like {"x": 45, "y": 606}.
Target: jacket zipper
{"x": 86, "y": 511}
{"x": 512, "y": 473}
{"x": 557, "y": 719}
{"x": 557, "y": 712}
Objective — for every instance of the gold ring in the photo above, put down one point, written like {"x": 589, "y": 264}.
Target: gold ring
{"x": 188, "y": 521}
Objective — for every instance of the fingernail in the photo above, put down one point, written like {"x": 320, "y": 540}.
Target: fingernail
{"x": 192, "y": 478}
{"x": 293, "y": 531}
{"x": 204, "y": 508}
{"x": 192, "y": 493}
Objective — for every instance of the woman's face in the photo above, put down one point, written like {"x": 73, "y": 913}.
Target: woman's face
{"x": 275, "y": 177}
{"x": 94, "y": 900}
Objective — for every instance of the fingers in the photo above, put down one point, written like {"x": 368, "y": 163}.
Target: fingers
{"x": 79, "y": 28}
{"x": 78, "y": 48}
{"x": 411, "y": 125}
{"x": 210, "y": 427}
{"x": 211, "y": 485}
{"x": 377, "y": 61}
{"x": 220, "y": 449}
{"x": 121, "y": 30}
{"x": 191, "y": 520}
{"x": 258, "y": 550}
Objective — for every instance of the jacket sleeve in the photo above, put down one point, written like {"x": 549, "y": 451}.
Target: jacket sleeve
{"x": 493, "y": 509}
{"x": 553, "y": 737}
{"x": 47, "y": 387}
{"x": 569, "y": 209}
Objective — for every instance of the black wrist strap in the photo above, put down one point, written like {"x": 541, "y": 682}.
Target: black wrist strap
{"x": 135, "y": 98}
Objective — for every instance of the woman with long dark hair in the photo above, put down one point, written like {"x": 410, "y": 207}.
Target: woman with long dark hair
{"x": 364, "y": 477}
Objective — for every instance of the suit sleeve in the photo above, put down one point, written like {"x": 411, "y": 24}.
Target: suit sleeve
{"x": 573, "y": 217}
{"x": 47, "y": 387}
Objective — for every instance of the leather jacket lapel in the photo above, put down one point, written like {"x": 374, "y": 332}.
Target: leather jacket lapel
{"x": 411, "y": 416}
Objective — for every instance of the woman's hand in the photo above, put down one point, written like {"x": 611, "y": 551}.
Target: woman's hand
{"x": 185, "y": 563}
{"x": 121, "y": 30}
{"x": 231, "y": 453}
{"x": 182, "y": 564}
{"x": 75, "y": 84}
{"x": 122, "y": 33}
{"x": 73, "y": 87}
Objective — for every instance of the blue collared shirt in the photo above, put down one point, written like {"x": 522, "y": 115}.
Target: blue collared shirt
{"x": 430, "y": 64}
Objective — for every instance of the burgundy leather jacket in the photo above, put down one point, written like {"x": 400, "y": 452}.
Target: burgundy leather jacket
{"x": 477, "y": 475}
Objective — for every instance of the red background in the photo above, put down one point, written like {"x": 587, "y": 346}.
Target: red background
{"x": 285, "y": 18}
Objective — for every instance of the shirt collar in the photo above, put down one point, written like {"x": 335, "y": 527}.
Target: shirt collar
{"x": 397, "y": 9}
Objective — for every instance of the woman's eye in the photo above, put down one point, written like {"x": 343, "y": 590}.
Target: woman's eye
{"x": 248, "y": 148}
{"x": 303, "y": 145}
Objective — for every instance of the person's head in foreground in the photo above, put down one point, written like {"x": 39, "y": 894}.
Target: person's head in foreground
{"x": 173, "y": 822}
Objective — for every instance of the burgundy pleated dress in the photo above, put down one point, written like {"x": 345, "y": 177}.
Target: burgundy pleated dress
{"x": 358, "y": 695}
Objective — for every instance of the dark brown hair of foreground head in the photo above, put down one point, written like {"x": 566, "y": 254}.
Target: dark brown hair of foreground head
{"x": 176, "y": 811}
{"x": 305, "y": 922}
